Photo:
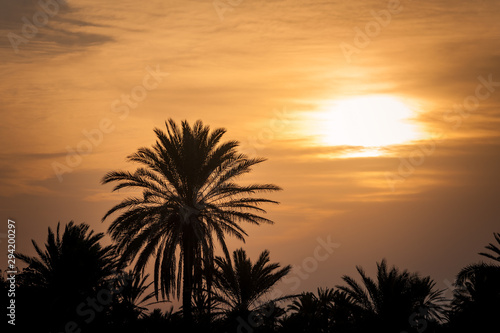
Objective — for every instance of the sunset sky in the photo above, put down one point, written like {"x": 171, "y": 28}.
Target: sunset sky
{"x": 380, "y": 120}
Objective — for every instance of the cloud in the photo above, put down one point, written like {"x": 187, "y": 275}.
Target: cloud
{"x": 45, "y": 28}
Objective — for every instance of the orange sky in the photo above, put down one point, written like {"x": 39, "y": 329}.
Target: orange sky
{"x": 271, "y": 72}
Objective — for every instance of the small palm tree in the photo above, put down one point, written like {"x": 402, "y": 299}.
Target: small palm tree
{"x": 132, "y": 296}
{"x": 305, "y": 314}
{"x": 72, "y": 267}
{"x": 306, "y": 304}
{"x": 73, "y": 261}
{"x": 240, "y": 284}
{"x": 189, "y": 202}
{"x": 311, "y": 313}
{"x": 326, "y": 301}
{"x": 394, "y": 299}
{"x": 477, "y": 281}
{"x": 476, "y": 298}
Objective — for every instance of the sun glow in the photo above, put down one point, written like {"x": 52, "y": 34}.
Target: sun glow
{"x": 368, "y": 123}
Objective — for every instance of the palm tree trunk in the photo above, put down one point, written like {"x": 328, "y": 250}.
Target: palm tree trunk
{"x": 209, "y": 275}
{"x": 187, "y": 287}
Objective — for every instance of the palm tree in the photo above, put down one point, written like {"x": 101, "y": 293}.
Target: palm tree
{"x": 305, "y": 314}
{"x": 189, "y": 202}
{"x": 74, "y": 261}
{"x": 131, "y": 297}
{"x": 321, "y": 313}
{"x": 202, "y": 301}
{"x": 476, "y": 301}
{"x": 240, "y": 284}
{"x": 395, "y": 299}
{"x": 72, "y": 267}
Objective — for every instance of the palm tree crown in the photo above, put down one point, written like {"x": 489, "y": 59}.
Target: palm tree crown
{"x": 133, "y": 293}
{"x": 189, "y": 202}
{"x": 476, "y": 301}
{"x": 394, "y": 299}
{"x": 72, "y": 267}
{"x": 326, "y": 312}
{"x": 73, "y": 261}
{"x": 240, "y": 283}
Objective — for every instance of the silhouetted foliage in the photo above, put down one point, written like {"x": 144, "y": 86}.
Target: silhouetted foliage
{"x": 328, "y": 311}
{"x": 130, "y": 300}
{"x": 71, "y": 267}
{"x": 396, "y": 301}
{"x": 240, "y": 284}
{"x": 476, "y": 302}
{"x": 189, "y": 203}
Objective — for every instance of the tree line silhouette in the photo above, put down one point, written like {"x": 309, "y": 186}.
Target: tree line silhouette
{"x": 189, "y": 202}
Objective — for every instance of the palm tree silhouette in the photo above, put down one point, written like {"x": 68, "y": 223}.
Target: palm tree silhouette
{"x": 72, "y": 267}
{"x": 305, "y": 315}
{"x": 131, "y": 298}
{"x": 202, "y": 301}
{"x": 394, "y": 300}
{"x": 476, "y": 302}
{"x": 189, "y": 202}
{"x": 76, "y": 257}
{"x": 322, "y": 313}
{"x": 240, "y": 284}
{"x": 476, "y": 298}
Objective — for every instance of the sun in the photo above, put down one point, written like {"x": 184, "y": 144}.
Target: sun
{"x": 367, "y": 124}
